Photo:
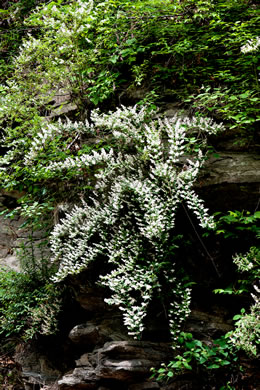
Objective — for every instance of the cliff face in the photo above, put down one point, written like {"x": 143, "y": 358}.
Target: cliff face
{"x": 93, "y": 349}
{"x": 60, "y": 61}
{"x": 12, "y": 235}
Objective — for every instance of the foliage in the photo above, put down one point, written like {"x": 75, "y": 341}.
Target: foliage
{"x": 238, "y": 108}
{"x": 129, "y": 218}
{"x": 12, "y": 31}
{"x": 202, "y": 358}
{"x": 29, "y": 303}
{"x": 234, "y": 223}
{"x": 27, "y": 306}
{"x": 205, "y": 359}
{"x": 246, "y": 334}
{"x": 243, "y": 284}
{"x": 91, "y": 49}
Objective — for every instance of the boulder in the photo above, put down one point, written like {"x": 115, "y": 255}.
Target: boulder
{"x": 119, "y": 361}
{"x": 207, "y": 326}
{"x": 237, "y": 168}
{"x": 124, "y": 360}
{"x": 82, "y": 378}
{"x": 99, "y": 331}
{"x": 36, "y": 367}
{"x": 230, "y": 181}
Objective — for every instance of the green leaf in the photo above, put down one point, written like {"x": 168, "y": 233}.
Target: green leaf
{"x": 224, "y": 362}
{"x": 202, "y": 360}
{"x": 213, "y": 366}
{"x": 187, "y": 365}
{"x": 114, "y": 59}
{"x": 245, "y": 95}
{"x": 161, "y": 370}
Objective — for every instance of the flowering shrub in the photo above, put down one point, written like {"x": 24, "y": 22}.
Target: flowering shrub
{"x": 130, "y": 218}
{"x": 246, "y": 335}
{"x": 51, "y": 132}
{"x": 249, "y": 262}
{"x": 251, "y": 45}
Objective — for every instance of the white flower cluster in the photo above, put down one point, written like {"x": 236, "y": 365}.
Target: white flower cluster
{"x": 247, "y": 261}
{"x": 79, "y": 162}
{"x": 130, "y": 218}
{"x": 246, "y": 335}
{"x": 50, "y": 132}
{"x": 179, "y": 308}
{"x": 62, "y": 23}
{"x": 179, "y": 311}
{"x": 12, "y": 152}
{"x": 132, "y": 288}
{"x": 30, "y": 43}
{"x": 80, "y": 12}
{"x": 251, "y": 45}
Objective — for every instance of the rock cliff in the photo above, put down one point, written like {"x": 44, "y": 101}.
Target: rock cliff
{"x": 97, "y": 353}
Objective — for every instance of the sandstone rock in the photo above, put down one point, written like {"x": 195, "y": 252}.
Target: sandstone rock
{"x": 36, "y": 367}
{"x": 91, "y": 303}
{"x": 87, "y": 334}
{"x": 91, "y": 299}
{"x": 231, "y": 168}
{"x": 99, "y": 331}
{"x": 123, "y": 361}
{"x": 182, "y": 384}
{"x": 10, "y": 261}
{"x": 127, "y": 359}
{"x": 205, "y": 325}
{"x": 62, "y": 109}
{"x": 172, "y": 109}
{"x": 12, "y": 194}
{"x": 83, "y": 361}
{"x": 53, "y": 386}
{"x": 81, "y": 378}
{"x": 119, "y": 359}
{"x": 230, "y": 181}
{"x": 13, "y": 237}
{"x": 136, "y": 93}
{"x": 103, "y": 388}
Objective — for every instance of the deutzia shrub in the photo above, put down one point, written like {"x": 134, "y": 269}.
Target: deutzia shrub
{"x": 129, "y": 220}
{"x": 251, "y": 45}
{"x": 52, "y": 131}
{"x": 249, "y": 262}
{"x": 246, "y": 335}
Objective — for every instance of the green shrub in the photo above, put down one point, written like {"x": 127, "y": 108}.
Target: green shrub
{"x": 206, "y": 360}
{"x": 27, "y": 306}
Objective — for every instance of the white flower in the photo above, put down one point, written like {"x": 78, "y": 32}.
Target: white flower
{"x": 251, "y": 45}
